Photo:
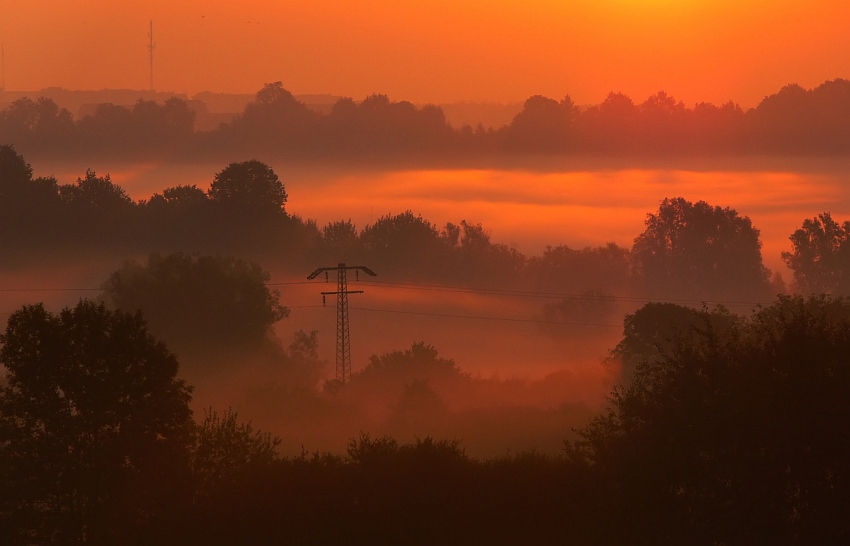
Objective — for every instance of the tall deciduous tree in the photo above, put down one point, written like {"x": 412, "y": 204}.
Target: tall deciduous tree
{"x": 700, "y": 251}
{"x": 821, "y": 256}
{"x": 249, "y": 186}
{"x": 95, "y": 428}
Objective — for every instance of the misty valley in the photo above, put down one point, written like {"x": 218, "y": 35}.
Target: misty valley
{"x": 570, "y": 338}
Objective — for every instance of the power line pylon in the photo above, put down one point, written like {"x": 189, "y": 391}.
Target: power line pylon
{"x": 343, "y": 337}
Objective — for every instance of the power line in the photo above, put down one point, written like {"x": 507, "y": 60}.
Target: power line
{"x": 545, "y": 295}
{"x": 457, "y": 289}
{"x": 476, "y": 317}
{"x": 50, "y": 289}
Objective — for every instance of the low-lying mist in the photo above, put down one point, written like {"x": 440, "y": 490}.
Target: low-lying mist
{"x": 501, "y": 338}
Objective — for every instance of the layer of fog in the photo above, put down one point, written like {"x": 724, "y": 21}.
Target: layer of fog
{"x": 557, "y": 373}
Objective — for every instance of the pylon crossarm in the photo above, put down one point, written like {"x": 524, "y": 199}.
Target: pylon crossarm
{"x": 316, "y": 273}
{"x": 338, "y": 293}
{"x": 364, "y": 269}
{"x": 343, "y": 337}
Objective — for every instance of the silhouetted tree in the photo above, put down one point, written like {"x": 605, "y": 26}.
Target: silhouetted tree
{"x": 544, "y": 125}
{"x": 821, "y": 256}
{"x": 612, "y": 125}
{"x": 224, "y": 448}
{"x": 249, "y": 187}
{"x": 95, "y": 192}
{"x": 421, "y": 361}
{"x": 200, "y": 302}
{"x": 94, "y": 428}
{"x": 275, "y": 120}
{"x": 802, "y": 120}
{"x": 401, "y": 242}
{"x": 569, "y": 270}
{"x": 733, "y": 438}
{"x": 698, "y": 251}
{"x": 473, "y": 257}
{"x": 656, "y": 329}
{"x": 662, "y": 123}
{"x": 38, "y": 124}
{"x": 20, "y": 194}
{"x": 340, "y": 241}
{"x": 95, "y": 210}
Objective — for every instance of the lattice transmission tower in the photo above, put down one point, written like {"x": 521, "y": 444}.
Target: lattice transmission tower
{"x": 343, "y": 337}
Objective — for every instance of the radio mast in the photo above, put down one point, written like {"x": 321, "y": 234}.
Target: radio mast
{"x": 151, "y": 47}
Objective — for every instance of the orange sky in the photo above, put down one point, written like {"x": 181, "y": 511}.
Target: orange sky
{"x": 433, "y": 50}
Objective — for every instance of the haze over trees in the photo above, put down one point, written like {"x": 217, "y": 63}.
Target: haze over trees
{"x": 792, "y": 121}
{"x": 820, "y": 258}
{"x": 729, "y": 433}
{"x": 696, "y": 250}
{"x": 722, "y": 429}
{"x": 687, "y": 251}
{"x": 197, "y": 302}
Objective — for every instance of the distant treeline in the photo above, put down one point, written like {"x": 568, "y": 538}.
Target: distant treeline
{"x": 793, "y": 121}
{"x": 688, "y": 250}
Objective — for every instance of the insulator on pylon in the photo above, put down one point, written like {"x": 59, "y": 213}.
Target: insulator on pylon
{"x": 327, "y": 279}
{"x": 324, "y": 301}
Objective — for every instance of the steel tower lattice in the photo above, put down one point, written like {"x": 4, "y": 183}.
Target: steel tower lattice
{"x": 343, "y": 334}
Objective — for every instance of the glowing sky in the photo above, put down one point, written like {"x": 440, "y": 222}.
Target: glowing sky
{"x": 433, "y": 50}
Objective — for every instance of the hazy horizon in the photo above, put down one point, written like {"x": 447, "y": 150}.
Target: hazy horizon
{"x": 443, "y": 52}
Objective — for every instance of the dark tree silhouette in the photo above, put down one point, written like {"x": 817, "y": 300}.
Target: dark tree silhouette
{"x": 94, "y": 427}
{"x": 698, "y": 251}
{"x": 341, "y": 241}
{"x": 736, "y": 438}
{"x": 249, "y": 187}
{"x": 18, "y": 189}
{"x": 224, "y": 447}
{"x": 544, "y": 125}
{"x": 36, "y": 124}
{"x": 656, "y": 329}
{"x": 398, "y": 242}
{"x": 197, "y": 302}
{"x": 566, "y": 269}
{"x": 95, "y": 192}
{"x": 821, "y": 256}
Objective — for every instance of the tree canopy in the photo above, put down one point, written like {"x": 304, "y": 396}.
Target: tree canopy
{"x": 821, "y": 256}
{"x": 250, "y": 187}
{"x": 196, "y": 302}
{"x": 93, "y": 427}
{"x": 700, "y": 251}
{"x": 734, "y": 437}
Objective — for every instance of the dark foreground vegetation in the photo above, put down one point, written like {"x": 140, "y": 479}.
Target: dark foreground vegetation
{"x": 734, "y": 432}
{"x": 792, "y": 121}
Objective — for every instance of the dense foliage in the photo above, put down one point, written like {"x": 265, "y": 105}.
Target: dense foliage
{"x": 731, "y": 431}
